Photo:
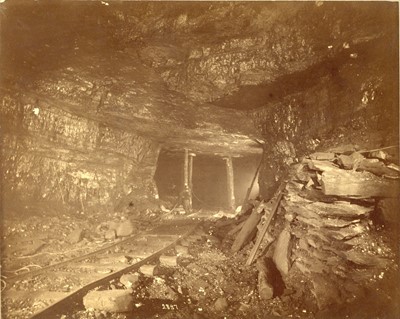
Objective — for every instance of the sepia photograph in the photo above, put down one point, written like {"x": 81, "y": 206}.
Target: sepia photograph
{"x": 199, "y": 159}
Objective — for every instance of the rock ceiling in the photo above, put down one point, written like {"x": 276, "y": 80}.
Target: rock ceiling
{"x": 183, "y": 73}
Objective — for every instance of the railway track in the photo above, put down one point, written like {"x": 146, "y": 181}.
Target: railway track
{"x": 48, "y": 291}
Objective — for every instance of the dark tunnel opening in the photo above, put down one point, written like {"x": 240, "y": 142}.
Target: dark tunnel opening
{"x": 209, "y": 184}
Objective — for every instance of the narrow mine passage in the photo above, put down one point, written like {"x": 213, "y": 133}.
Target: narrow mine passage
{"x": 199, "y": 159}
{"x": 209, "y": 179}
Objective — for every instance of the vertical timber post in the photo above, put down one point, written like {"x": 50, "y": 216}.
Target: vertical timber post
{"x": 190, "y": 176}
{"x": 190, "y": 173}
{"x": 231, "y": 189}
{"x": 187, "y": 192}
{"x": 186, "y": 170}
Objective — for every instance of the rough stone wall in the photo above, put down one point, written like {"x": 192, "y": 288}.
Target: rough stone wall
{"x": 358, "y": 104}
{"x": 51, "y": 156}
{"x": 251, "y": 43}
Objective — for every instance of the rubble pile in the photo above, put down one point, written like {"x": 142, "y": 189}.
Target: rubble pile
{"x": 329, "y": 233}
{"x": 329, "y": 240}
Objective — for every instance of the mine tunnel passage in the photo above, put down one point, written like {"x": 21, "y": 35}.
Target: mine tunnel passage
{"x": 209, "y": 181}
{"x": 124, "y": 103}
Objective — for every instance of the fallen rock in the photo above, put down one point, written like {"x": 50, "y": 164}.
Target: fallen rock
{"x": 160, "y": 290}
{"x": 314, "y": 265}
{"x": 302, "y": 267}
{"x": 125, "y": 229}
{"x": 365, "y": 259}
{"x": 322, "y": 156}
{"x": 112, "y": 225}
{"x": 322, "y": 166}
{"x": 345, "y": 149}
{"x": 182, "y": 251}
{"x": 339, "y": 209}
{"x": 388, "y": 209}
{"x": 76, "y": 236}
{"x": 350, "y": 161}
{"x": 356, "y": 184}
{"x": 325, "y": 291}
{"x": 31, "y": 248}
{"x": 379, "y": 154}
{"x": 221, "y": 304}
{"x": 281, "y": 256}
{"x": 116, "y": 300}
{"x": 130, "y": 280}
{"x": 376, "y": 167}
{"x": 169, "y": 261}
{"x": 265, "y": 288}
{"x": 148, "y": 270}
{"x": 213, "y": 241}
{"x": 185, "y": 243}
{"x": 110, "y": 234}
{"x": 346, "y": 233}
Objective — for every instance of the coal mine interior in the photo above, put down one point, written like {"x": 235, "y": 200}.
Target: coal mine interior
{"x": 199, "y": 159}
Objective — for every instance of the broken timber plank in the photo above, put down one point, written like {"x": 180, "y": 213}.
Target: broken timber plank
{"x": 266, "y": 225}
{"x": 357, "y": 184}
{"x": 248, "y": 228}
{"x": 237, "y": 228}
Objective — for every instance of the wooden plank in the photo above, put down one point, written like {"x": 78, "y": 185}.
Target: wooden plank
{"x": 186, "y": 169}
{"x": 237, "y": 228}
{"x": 245, "y": 234}
{"x": 190, "y": 173}
{"x": 229, "y": 182}
{"x": 266, "y": 225}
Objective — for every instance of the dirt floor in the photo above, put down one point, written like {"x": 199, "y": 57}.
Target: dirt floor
{"x": 208, "y": 282}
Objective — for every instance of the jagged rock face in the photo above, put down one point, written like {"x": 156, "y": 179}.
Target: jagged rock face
{"x": 208, "y": 51}
{"x": 114, "y": 79}
{"x": 52, "y": 156}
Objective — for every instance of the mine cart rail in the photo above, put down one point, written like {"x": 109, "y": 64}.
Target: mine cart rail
{"x": 178, "y": 233}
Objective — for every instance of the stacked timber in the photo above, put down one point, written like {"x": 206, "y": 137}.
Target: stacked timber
{"x": 333, "y": 242}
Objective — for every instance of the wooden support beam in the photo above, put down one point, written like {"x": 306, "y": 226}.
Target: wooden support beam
{"x": 190, "y": 173}
{"x": 186, "y": 194}
{"x": 186, "y": 170}
{"x": 190, "y": 177}
{"x": 249, "y": 228}
{"x": 230, "y": 184}
{"x": 264, "y": 229}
